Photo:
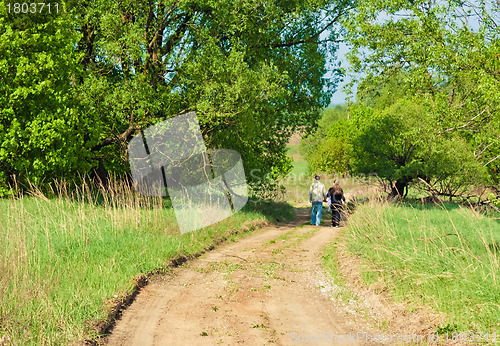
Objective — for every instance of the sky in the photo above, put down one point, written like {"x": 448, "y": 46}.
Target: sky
{"x": 339, "y": 97}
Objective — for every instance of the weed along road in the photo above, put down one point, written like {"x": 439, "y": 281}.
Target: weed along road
{"x": 267, "y": 287}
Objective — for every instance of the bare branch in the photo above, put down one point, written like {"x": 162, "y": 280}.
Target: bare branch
{"x": 468, "y": 123}
{"x": 118, "y": 138}
{"x": 486, "y": 147}
{"x": 295, "y": 43}
{"x": 490, "y": 161}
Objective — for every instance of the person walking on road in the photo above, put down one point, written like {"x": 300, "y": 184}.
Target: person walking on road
{"x": 335, "y": 198}
{"x": 317, "y": 195}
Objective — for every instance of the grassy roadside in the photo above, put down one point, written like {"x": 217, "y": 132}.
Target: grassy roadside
{"x": 63, "y": 259}
{"x": 446, "y": 257}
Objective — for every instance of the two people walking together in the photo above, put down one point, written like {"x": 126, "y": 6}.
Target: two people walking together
{"x": 334, "y": 197}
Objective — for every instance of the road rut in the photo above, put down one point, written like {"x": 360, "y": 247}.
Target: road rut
{"x": 267, "y": 287}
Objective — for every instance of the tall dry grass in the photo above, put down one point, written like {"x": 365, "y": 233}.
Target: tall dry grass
{"x": 446, "y": 256}
{"x": 66, "y": 251}
{"x": 42, "y": 230}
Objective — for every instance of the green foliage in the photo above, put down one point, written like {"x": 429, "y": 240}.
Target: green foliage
{"x": 326, "y": 148}
{"x": 403, "y": 141}
{"x": 494, "y": 200}
{"x": 429, "y": 52}
{"x": 390, "y": 141}
{"x": 78, "y": 85}
{"x": 428, "y": 109}
{"x": 40, "y": 132}
{"x": 332, "y": 154}
{"x": 381, "y": 91}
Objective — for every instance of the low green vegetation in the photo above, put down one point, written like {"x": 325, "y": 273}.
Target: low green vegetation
{"x": 446, "y": 257}
{"x": 298, "y": 181}
{"x": 325, "y": 149}
{"x": 66, "y": 260}
{"x": 329, "y": 261}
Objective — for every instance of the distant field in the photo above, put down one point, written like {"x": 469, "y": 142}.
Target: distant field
{"x": 64, "y": 258}
{"x": 298, "y": 181}
{"x": 299, "y": 162}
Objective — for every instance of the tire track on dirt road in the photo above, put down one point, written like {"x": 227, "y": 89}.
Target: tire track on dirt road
{"x": 258, "y": 290}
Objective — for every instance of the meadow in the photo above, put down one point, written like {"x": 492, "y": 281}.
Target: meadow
{"x": 298, "y": 181}
{"x": 446, "y": 257}
{"x": 70, "y": 257}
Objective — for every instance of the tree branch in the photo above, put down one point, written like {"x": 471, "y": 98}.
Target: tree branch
{"x": 118, "y": 138}
{"x": 291, "y": 44}
{"x": 177, "y": 36}
{"x": 468, "y": 123}
{"x": 490, "y": 161}
{"x": 486, "y": 147}
{"x": 86, "y": 44}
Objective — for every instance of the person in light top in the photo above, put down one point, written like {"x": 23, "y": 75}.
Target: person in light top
{"x": 317, "y": 195}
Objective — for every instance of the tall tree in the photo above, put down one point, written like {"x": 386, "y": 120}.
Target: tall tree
{"x": 253, "y": 71}
{"x": 399, "y": 137}
{"x": 40, "y": 132}
{"x": 448, "y": 51}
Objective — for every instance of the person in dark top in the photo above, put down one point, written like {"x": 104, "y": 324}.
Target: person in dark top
{"x": 336, "y": 198}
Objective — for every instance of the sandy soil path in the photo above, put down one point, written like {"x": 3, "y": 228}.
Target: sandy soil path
{"x": 266, "y": 288}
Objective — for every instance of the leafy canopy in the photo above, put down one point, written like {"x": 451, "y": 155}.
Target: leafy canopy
{"x": 78, "y": 85}
{"x": 432, "y": 88}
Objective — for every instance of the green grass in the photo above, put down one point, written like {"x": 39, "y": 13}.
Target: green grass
{"x": 329, "y": 262}
{"x": 298, "y": 181}
{"x": 293, "y": 148}
{"x": 299, "y": 167}
{"x": 299, "y": 163}
{"x": 445, "y": 256}
{"x": 64, "y": 259}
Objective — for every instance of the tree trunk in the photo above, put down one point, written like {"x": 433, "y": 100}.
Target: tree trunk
{"x": 399, "y": 189}
{"x": 100, "y": 175}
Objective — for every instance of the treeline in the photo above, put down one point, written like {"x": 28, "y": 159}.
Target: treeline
{"x": 77, "y": 83}
{"x": 427, "y": 110}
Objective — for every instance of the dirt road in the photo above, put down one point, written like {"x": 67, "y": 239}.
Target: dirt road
{"x": 266, "y": 288}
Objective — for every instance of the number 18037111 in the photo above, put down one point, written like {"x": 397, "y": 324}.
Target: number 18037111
{"x": 34, "y": 7}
